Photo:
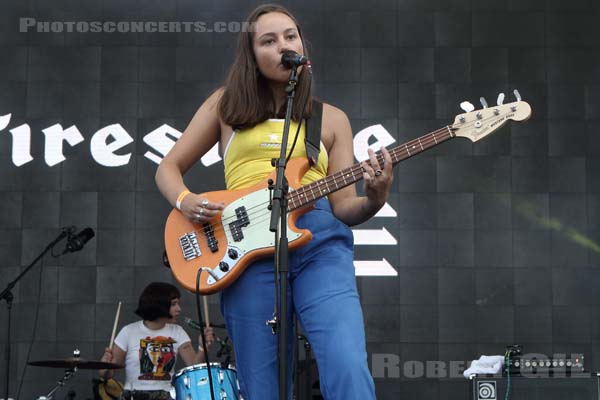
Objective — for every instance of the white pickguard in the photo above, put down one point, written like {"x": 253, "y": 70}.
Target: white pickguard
{"x": 255, "y": 236}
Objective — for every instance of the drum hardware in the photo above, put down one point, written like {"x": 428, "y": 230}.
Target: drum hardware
{"x": 192, "y": 383}
{"x": 69, "y": 373}
{"x": 224, "y": 350}
{"x": 71, "y": 366}
{"x": 76, "y": 363}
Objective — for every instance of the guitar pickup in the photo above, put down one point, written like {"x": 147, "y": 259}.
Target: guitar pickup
{"x": 189, "y": 246}
{"x": 242, "y": 216}
{"x": 236, "y": 231}
{"x": 211, "y": 240}
{"x": 236, "y": 226}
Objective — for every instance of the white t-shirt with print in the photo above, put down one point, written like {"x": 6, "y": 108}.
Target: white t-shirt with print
{"x": 151, "y": 355}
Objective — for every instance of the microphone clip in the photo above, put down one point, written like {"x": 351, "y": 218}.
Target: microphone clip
{"x": 273, "y": 324}
{"x": 68, "y": 231}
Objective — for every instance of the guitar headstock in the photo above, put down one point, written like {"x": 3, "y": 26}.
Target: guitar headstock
{"x": 477, "y": 124}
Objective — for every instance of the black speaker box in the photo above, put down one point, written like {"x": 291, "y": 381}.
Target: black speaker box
{"x": 581, "y": 386}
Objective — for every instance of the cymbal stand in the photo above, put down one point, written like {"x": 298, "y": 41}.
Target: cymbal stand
{"x": 69, "y": 373}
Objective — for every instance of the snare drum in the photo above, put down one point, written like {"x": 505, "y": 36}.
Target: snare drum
{"x": 191, "y": 383}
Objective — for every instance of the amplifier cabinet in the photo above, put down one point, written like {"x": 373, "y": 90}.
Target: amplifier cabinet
{"x": 576, "y": 386}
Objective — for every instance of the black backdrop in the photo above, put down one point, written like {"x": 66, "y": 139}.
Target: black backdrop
{"x": 481, "y": 246}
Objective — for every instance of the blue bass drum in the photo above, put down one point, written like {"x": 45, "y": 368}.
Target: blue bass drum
{"x": 191, "y": 383}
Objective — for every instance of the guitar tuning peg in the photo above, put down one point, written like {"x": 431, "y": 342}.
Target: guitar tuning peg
{"x": 500, "y": 99}
{"x": 466, "y": 106}
{"x": 483, "y": 102}
{"x": 517, "y": 94}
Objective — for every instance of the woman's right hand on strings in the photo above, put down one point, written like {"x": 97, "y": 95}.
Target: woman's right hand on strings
{"x": 199, "y": 209}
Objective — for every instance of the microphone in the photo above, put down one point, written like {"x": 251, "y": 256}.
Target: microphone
{"x": 291, "y": 59}
{"x": 192, "y": 324}
{"x": 77, "y": 242}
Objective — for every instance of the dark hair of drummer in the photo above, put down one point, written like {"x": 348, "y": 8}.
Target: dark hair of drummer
{"x": 155, "y": 301}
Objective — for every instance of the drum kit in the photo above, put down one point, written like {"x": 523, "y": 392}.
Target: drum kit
{"x": 71, "y": 365}
{"x": 190, "y": 383}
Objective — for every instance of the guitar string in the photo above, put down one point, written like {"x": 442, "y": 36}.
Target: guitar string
{"x": 425, "y": 139}
{"x": 258, "y": 215}
{"x": 317, "y": 186}
{"x": 428, "y": 140}
{"x": 296, "y": 194}
{"x": 355, "y": 171}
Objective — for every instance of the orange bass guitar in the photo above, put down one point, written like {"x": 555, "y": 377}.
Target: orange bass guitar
{"x": 240, "y": 234}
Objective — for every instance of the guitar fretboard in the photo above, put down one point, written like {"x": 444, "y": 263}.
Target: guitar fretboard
{"x": 321, "y": 188}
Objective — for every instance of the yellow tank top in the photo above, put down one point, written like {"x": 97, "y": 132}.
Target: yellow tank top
{"x": 248, "y": 154}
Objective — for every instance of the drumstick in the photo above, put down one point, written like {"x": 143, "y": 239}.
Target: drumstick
{"x": 112, "y": 337}
{"x": 206, "y": 311}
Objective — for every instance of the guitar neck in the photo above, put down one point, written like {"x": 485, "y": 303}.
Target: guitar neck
{"x": 332, "y": 183}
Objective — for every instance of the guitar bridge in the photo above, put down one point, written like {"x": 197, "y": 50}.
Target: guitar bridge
{"x": 189, "y": 246}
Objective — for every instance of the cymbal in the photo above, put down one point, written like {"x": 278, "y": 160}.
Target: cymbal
{"x": 72, "y": 362}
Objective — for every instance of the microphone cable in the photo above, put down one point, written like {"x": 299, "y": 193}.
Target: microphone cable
{"x": 204, "y": 347}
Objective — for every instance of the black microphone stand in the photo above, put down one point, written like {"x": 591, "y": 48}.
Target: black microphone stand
{"x": 279, "y": 212}
{"x": 8, "y": 297}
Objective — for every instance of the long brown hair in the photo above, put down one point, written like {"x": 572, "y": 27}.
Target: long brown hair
{"x": 247, "y": 99}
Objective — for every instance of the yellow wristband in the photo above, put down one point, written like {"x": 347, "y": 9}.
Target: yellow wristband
{"x": 180, "y": 198}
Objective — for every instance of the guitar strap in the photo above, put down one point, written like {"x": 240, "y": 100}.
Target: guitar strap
{"x": 312, "y": 140}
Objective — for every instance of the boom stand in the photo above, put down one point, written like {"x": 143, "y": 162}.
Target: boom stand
{"x": 279, "y": 212}
{"x": 8, "y": 297}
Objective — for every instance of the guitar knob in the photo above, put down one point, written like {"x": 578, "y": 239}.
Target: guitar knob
{"x": 232, "y": 253}
{"x": 223, "y": 266}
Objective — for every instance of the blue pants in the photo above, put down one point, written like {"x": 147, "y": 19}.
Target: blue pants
{"x": 322, "y": 292}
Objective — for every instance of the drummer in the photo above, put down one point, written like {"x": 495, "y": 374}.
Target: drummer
{"x": 148, "y": 348}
